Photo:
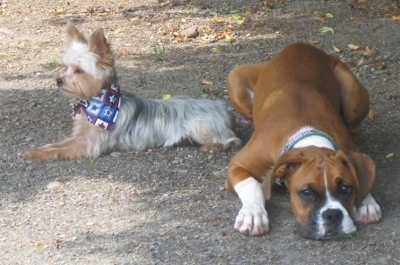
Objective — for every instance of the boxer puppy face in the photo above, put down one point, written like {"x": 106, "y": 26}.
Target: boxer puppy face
{"x": 324, "y": 189}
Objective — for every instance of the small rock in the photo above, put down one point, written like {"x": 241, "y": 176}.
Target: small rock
{"x": 28, "y": 139}
{"x": 90, "y": 223}
{"x": 116, "y": 154}
{"x": 53, "y": 185}
{"x": 191, "y": 32}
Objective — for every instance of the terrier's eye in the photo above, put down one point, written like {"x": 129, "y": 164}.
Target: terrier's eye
{"x": 78, "y": 71}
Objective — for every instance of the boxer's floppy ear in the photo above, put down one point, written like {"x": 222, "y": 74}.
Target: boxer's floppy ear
{"x": 363, "y": 168}
{"x": 284, "y": 167}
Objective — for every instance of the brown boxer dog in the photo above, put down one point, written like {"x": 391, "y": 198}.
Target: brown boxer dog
{"x": 306, "y": 107}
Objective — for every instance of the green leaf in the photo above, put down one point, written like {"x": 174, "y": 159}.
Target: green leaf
{"x": 21, "y": 45}
{"x": 218, "y": 49}
{"x": 236, "y": 16}
{"x": 204, "y": 95}
{"x": 328, "y": 15}
{"x": 326, "y": 30}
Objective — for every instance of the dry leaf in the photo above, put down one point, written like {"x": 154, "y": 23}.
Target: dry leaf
{"x": 395, "y": 17}
{"x": 133, "y": 19}
{"x": 37, "y": 244}
{"x": 250, "y": 10}
{"x": 58, "y": 243}
{"x": 335, "y": 49}
{"x": 59, "y": 11}
{"x": 219, "y": 20}
{"x": 372, "y": 115}
{"x": 368, "y": 51}
{"x": 353, "y": 47}
{"x": 360, "y": 61}
{"x": 390, "y": 155}
{"x": 206, "y": 81}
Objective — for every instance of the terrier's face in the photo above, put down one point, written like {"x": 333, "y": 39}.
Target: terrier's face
{"x": 88, "y": 64}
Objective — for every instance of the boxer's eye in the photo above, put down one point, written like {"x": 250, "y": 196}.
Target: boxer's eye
{"x": 345, "y": 189}
{"x": 308, "y": 195}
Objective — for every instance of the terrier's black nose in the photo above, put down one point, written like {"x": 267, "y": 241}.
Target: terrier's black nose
{"x": 59, "y": 81}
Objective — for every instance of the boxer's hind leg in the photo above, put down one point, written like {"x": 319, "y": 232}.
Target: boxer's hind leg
{"x": 241, "y": 82}
{"x": 354, "y": 99}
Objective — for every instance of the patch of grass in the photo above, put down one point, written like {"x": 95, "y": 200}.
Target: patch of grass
{"x": 348, "y": 237}
{"x": 223, "y": 10}
{"x": 92, "y": 163}
{"x": 144, "y": 77}
{"x": 159, "y": 51}
{"x": 51, "y": 65}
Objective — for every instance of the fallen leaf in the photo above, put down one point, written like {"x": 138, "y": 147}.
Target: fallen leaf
{"x": 335, "y": 49}
{"x": 166, "y": 96}
{"x": 204, "y": 95}
{"x": 219, "y": 20}
{"x": 21, "y": 45}
{"x": 206, "y": 81}
{"x": 360, "y": 62}
{"x": 117, "y": 31}
{"x": 123, "y": 51}
{"x": 267, "y": 5}
{"x": 59, "y": 11}
{"x": 328, "y": 15}
{"x": 236, "y": 16}
{"x": 368, "y": 51}
{"x": 390, "y": 155}
{"x": 133, "y": 19}
{"x": 353, "y": 47}
{"x": 250, "y": 10}
{"x": 313, "y": 41}
{"x": 218, "y": 49}
{"x": 395, "y": 17}
{"x": 372, "y": 115}
{"x": 37, "y": 244}
{"x": 326, "y": 30}
{"x": 58, "y": 243}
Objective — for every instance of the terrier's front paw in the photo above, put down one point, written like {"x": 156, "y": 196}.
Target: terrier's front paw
{"x": 369, "y": 211}
{"x": 30, "y": 154}
{"x": 252, "y": 219}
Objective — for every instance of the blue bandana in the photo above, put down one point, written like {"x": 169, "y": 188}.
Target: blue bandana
{"x": 103, "y": 109}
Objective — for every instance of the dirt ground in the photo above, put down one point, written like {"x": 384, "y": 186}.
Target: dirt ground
{"x": 169, "y": 206}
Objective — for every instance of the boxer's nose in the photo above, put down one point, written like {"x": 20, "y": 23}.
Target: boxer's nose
{"x": 333, "y": 216}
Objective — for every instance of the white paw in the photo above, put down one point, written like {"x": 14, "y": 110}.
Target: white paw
{"x": 252, "y": 219}
{"x": 369, "y": 211}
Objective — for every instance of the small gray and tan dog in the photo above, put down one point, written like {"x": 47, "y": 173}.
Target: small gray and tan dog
{"x": 107, "y": 119}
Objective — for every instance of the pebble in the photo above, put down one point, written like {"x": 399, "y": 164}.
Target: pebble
{"x": 116, "y": 154}
{"x": 53, "y": 185}
{"x": 191, "y": 32}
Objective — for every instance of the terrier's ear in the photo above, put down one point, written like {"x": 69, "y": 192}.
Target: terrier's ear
{"x": 98, "y": 45}
{"x": 73, "y": 34}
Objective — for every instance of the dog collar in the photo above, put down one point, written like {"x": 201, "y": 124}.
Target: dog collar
{"x": 103, "y": 109}
{"x": 305, "y": 133}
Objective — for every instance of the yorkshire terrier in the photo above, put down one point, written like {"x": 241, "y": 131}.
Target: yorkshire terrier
{"x": 107, "y": 119}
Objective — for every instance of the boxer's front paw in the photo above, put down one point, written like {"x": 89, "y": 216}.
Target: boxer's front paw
{"x": 369, "y": 211}
{"x": 252, "y": 220}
